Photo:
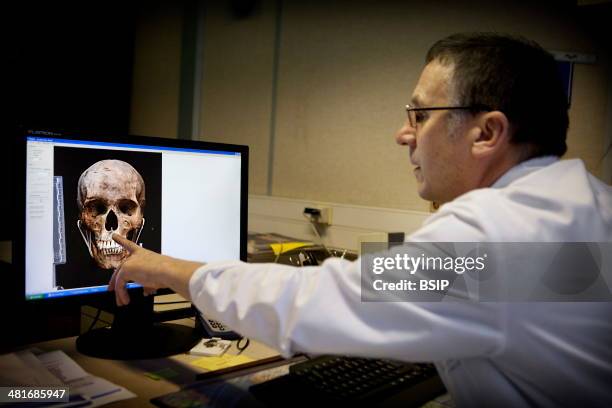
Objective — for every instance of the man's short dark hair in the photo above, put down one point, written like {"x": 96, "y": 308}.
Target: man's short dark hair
{"x": 515, "y": 76}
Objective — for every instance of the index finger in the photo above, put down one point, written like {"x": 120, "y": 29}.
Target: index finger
{"x": 126, "y": 243}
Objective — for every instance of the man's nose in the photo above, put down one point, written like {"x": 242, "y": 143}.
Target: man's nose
{"x": 405, "y": 136}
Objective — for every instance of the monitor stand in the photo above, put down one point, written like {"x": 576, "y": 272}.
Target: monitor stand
{"x": 134, "y": 335}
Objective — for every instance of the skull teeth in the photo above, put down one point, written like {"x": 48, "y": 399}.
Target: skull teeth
{"x": 109, "y": 247}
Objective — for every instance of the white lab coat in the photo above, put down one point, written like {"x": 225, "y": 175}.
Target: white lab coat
{"x": 488, "y": 354}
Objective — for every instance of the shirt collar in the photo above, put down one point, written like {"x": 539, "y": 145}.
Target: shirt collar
{"x": 524, "y": 168}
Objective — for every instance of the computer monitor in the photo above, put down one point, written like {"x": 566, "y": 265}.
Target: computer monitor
{"x": 186, "y": 199}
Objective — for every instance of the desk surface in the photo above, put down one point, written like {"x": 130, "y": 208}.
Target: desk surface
{"x": 130, "y": 374}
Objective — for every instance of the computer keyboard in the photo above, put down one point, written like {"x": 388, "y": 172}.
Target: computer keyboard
{"x": 349, "y": 379}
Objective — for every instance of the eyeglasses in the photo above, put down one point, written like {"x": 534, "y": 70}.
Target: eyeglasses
{"x": 415, "y": 115}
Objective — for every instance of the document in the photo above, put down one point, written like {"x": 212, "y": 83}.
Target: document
{"x": 224, "y": 361}
{"x": 24, "y": 368}
{"x": 55, "y": 368}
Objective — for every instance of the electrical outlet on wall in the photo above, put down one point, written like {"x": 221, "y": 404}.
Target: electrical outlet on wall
{"x": 319, "y": 215}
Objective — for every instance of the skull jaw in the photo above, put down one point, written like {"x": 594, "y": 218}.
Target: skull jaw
{"x": 106, "y": 252}
{"x": 108, "y": 261}
{"x": 103, "y": 249}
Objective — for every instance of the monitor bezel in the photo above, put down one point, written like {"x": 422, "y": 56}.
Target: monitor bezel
{"x": 19, "y": 168}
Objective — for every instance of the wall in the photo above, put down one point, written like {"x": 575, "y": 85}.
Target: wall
{"x": 155, "y": 85}
{"x": 345, "y": 71}
{"x": 351, "y": 224}
{"x": 317, "y": 89}
{"x": 237, "y": 83}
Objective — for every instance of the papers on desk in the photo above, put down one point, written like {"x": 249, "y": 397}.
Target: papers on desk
{"x": 55, "y": 368}
{"x": 24, "y": 368}
{"x": 220, "y": 362}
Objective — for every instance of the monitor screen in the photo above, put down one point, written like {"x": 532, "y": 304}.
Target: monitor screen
{"x": 183, "y": 199}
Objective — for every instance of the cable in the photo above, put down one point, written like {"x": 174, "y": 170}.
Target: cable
{"x": 280, "y": 250}
{"x": 246, "y": 344}
{"x": 343, "y": 254}
{"x": 99, "y": 320}
{"x": 95, "y": 319}
{"x": 311, "y": 221}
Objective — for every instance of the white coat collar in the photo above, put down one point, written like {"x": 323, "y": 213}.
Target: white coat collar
{"x": 524, "y": 168}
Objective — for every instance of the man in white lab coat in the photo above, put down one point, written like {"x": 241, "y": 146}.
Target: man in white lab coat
{"x": 486, "y": 126}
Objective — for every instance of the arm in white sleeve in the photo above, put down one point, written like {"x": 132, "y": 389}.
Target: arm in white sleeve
{"x": 319, "y": 310}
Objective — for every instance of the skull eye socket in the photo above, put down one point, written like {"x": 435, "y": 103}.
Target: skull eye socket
{"x": 96, "y": 207}
{"x": 127, "y": 206}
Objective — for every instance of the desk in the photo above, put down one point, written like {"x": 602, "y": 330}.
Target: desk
{"x": 130, "y": 374}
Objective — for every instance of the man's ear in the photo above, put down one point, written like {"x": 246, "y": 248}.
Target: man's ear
{"x": 491, "y": 133}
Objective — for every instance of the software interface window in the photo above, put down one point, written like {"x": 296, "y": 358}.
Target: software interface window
{"x": 179, "y": 201}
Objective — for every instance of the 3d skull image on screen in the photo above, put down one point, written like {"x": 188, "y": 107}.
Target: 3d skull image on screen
{"x": 110, "y": 198}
